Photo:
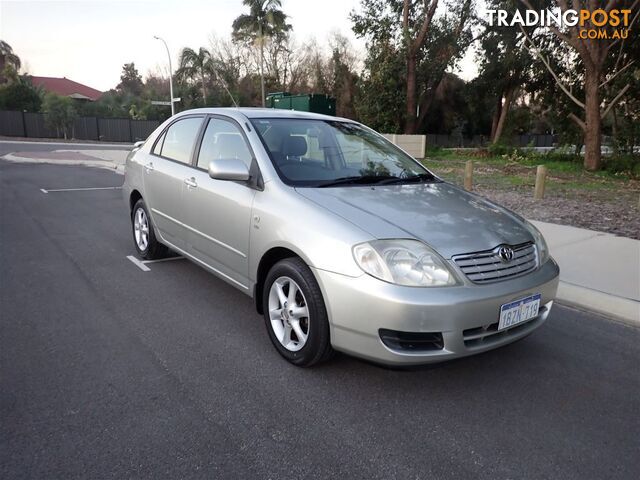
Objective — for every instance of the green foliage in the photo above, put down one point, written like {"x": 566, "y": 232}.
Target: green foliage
{"x": 432, "y": 41}
{"x": 381, "y": 96}
{"x": 59, "y": 113}
{"x": 265, "y": 19}
{"x": 20, "y": 95}
{"x": 196, "y": 67}
{"x": 624, "y": 164}
{"x": 130, "y": 80}
{"x": 501, "y": 148}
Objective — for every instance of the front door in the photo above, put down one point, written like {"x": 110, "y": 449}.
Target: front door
{"x": 218, "y": 212}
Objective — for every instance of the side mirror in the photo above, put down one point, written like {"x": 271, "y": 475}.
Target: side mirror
{"x": 138, "y": 144}
{"x": 229, "y": 169}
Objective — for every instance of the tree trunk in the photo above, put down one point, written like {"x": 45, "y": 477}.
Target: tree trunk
{"x": 593, "y": 124}
{"x": 496, "y": 118}
{"x": 504, "y": 111}
{"x": 410, "y": 123}
{"x": 204, "y": 90}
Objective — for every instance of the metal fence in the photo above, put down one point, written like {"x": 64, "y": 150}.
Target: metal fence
{"x": 33, "y": 125}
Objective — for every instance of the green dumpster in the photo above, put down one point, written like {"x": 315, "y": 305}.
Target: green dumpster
{"x": 314, "y": 102}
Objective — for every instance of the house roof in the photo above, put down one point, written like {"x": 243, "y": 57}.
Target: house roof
{"x": 69, "y": 88}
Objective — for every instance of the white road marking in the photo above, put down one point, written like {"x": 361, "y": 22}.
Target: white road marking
{"x": 85, "y": 189}
{"x": 163, "y": 260}
{"x": 138, "y": 263}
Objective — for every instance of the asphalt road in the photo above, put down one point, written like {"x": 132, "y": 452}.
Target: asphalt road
{"x": 107, "y": 371}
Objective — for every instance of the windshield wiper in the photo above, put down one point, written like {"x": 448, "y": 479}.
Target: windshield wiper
{"x": 421, "y": 177}
{"x": 358, "y": 180}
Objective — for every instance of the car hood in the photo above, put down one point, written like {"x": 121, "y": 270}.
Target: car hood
{"x": 447, "y": 218}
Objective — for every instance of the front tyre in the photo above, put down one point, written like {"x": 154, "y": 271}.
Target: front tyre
{"x": 295, "y": 314}
{"x": 144, "y": 237}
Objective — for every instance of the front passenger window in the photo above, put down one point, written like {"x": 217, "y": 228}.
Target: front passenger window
{"x": 223, "y": 140}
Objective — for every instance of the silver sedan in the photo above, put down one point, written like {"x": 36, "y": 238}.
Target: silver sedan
{"x": 343, "y": 241}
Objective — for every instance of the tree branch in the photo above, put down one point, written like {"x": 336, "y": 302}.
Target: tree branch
{"x": 426, "y": 23}
{"x": 578, "y": 120}
{"x": 537, "y": 51}
{"x": 615, "y": 100}
{"x": 617, "y": 73}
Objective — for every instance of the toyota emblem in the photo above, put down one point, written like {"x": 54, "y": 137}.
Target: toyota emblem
{"x": 505, "y": 253}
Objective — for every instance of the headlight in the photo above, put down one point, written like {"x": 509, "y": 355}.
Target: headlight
{"x": 403, "y": 262}
{"x": 541, "y": 244}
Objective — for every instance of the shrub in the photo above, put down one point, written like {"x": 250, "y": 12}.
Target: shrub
{"x": 622, "y": 164}
{"x": 498, "y": 149}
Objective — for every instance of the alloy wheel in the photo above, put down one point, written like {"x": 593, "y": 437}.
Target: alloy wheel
{"x": 289, "y": 313}
{"x": 141, "y": 229}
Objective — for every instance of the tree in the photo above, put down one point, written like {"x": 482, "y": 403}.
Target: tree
{"x": 428, "y": 42}
{"x": 381, "y": 97}
{"x": 130, "y": 80}
{"x": 265, "y": 20}
{"x": 196, "y": 65}
{"x": 596, "y": 71}
{"x": 20, "y": 95}
{"x": 59, "y": 113}
{"x": 504, "y": 67}
{"x": 8, "y": 59}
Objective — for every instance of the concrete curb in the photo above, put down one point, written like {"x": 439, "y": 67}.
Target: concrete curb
{"x": 624, "y": 310}
{"x": 105, "y": 164}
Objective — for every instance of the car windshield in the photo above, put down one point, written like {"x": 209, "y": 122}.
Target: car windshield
{"x": 327, "y": 153}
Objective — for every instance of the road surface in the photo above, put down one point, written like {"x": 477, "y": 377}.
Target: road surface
{"x": 109, "y": 371}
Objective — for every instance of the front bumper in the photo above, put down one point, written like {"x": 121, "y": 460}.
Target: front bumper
{"x": 466, "y": 316}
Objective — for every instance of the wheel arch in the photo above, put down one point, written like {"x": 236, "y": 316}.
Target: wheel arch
{"x": 268, "y": 260}
{"x": 133, "y": 199}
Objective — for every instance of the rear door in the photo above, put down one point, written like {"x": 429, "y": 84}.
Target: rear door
{"x": 164, "y": 175}
{"x": 218, "y": 212}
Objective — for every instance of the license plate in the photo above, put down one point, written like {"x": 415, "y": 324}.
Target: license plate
{"x": 519, "y": 311}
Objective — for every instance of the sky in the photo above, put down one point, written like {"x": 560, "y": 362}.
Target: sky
{"x": 88, "y": 41}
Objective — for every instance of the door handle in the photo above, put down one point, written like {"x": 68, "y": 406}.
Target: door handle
{"x": 149, "y": 167}
{"x": 190, "y": 182}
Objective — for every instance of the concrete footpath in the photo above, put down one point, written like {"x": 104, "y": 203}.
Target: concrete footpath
{"x": 598, "y": 271}
{"x": 110, "y": 159}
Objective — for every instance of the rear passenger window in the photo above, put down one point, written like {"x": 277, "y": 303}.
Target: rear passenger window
{"x": 223, "y": 140}
{"x": 180, "y": 138}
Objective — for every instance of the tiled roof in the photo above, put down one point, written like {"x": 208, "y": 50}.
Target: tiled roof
{"x": 66, "y": 87}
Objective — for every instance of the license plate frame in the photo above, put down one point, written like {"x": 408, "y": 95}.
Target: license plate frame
{"x": 519, "y": 311}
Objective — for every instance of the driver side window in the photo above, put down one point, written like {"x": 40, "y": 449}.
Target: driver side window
{"x": 223, "y": 140}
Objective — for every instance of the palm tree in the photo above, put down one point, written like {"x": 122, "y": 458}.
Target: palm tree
{"x": 196, "y": 65}
{"x": 265, "y": 20}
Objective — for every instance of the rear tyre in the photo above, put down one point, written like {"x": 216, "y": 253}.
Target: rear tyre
{"x": 144, "y": 238}
{"x": 295, "y": 314}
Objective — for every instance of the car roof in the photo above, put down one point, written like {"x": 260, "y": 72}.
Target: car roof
{"x": 250, "y": 112}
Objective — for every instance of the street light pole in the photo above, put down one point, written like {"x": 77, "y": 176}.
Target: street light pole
{"x": 170, "y": 74}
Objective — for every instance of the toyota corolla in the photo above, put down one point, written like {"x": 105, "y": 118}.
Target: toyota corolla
{"x": 343, "y": 241}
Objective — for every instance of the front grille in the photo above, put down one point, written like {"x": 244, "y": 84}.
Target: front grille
{"x": 486, "y": 266}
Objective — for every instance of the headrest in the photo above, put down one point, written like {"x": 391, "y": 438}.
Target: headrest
{"x": 294, "y": 146}
{"x": 230, "y": 146}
